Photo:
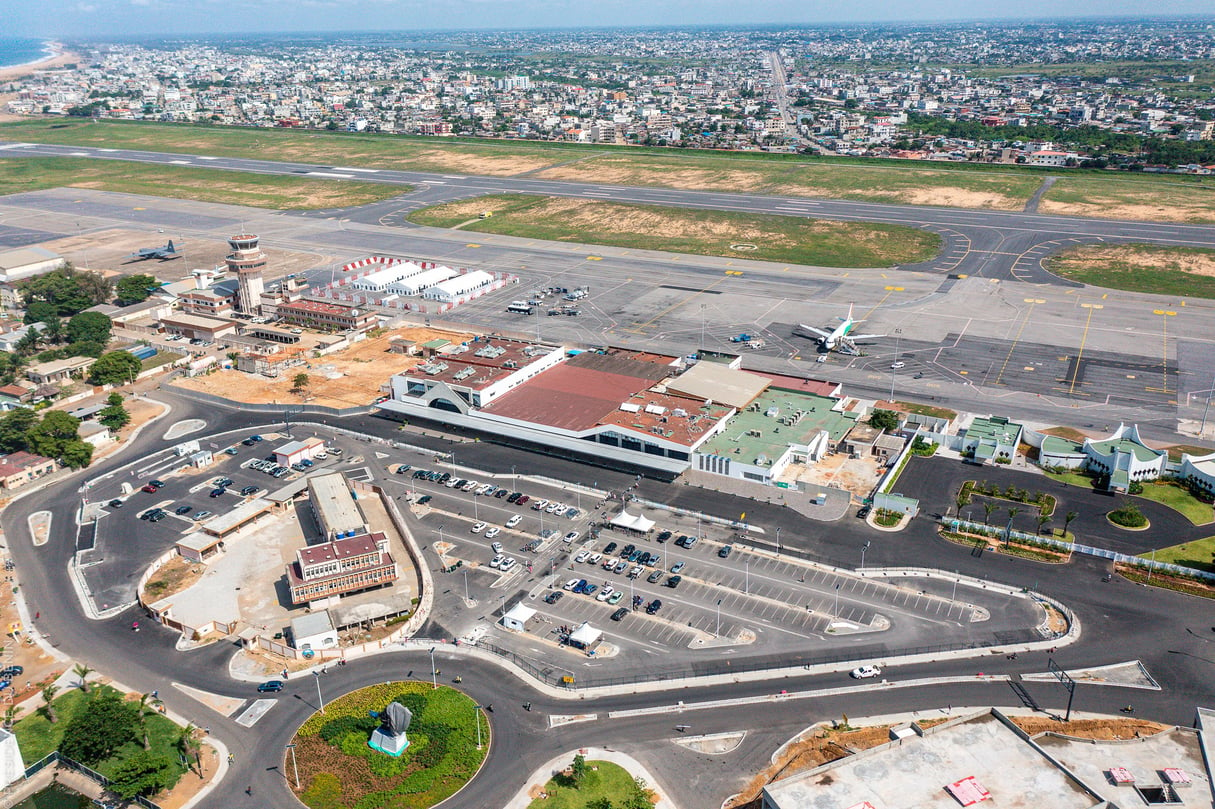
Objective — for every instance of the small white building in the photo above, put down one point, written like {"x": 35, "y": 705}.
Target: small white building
{"x": 314, "y": 632}
{"x": 453, "y": 289}
{"x": 1198, "y": 471}
{"x": 26, "y": 262}
{"x": 95, "y": 433}
{"x": 296, "y": 451}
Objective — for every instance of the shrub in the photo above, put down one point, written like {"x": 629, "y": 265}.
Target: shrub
{"x": 1128, "y": 516}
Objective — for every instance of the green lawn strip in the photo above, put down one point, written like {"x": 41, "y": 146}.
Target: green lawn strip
{"x": 1198, "y": 554}
{"x": 610, "y": 781}
{"x": 1150, "y": 269}
{"x": 1178, "y": 499}
{"x": 1070, "y": 478}
{"x": 38, "y": 737}
{"x": 184, "y": 182}
{"x": 811, "y": 242}
{"x": 1167, "y": 581}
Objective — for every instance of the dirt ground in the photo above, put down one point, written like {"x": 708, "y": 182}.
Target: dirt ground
{"x": 189, "y": 784}
{"x": 856, "y": 475}
{"x": 1116, "y": 208}
{"x": 109, "y": 252}
{"x": 825, "y": 745}
{"x": 350, "y": 378}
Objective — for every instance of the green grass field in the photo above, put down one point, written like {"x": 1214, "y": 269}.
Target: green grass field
{"x": 710, "y": 233}
{"x": 1178, "y": 499}
{"x": 608, "y": 781}
{"x": 38, "y": 737}
{"x": 183, "y": 182}
{"x": 1167, "y": 198}
{"x": 1199, "y": 554}
{"x": 1174, "y": 271}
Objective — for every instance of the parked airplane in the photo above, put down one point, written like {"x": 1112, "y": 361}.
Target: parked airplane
{"x": 840, "y": 338}
{"x": 169, "y": 251}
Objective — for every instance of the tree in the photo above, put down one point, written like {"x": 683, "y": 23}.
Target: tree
{"x": 76, "y": 454}
{"x": 82, "y": 671}
{"x": 134, "y": 289}
{"x": 66, "y": 290}
{"x": 1067, "y": 520}
{"x": 105, "y": 723}
{"x": 53, "y": 330}
{"x": 38, "y": 311}
{"x": 884, "y": 420}
{"x": 14, "y": 429}
{"x": 28, "y": 342}
{"x": 85, "y": 348}
{"x": 91, "y": 326}
{"x": 988, "y": 508}
{"x": 50, "y": 436}
{"x": 189, "y": 746}
{"x": 146, "y": 709}
{"x": 114, "y": 415}
{"x": 48, "y": 697}
{"x": 299, "y": 383}
{"x": 578, "y": 770}
{"x": 141, "y": 774}
{"x": 1042, "y": 521}
{"x": 115, "y": 368}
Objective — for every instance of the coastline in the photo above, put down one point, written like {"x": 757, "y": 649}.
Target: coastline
{"x": 58, "y": 57}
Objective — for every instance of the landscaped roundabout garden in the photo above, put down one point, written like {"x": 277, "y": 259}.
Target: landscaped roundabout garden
{"x": 338, "y": 770}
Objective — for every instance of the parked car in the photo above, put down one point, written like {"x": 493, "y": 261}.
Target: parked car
{"x": 674, "y": 581}
{"x": 222, "y": 482}
{"x": 513, "y": 521}
{"x": 620, "y": 567}
{"x": 636, "y": 571}
{"x": 579, "y": 586}
{"x": 496, "y": 547}
{"x": 231, "y": 451}
{"x": 10, "y": 672}
{"x": 606, "y": 593}
{"x": 863, "y": 512}
{"x": 582, "y": 555}
{"x": 571, "y": 584}
{"x": 654, "y": 577}
{"x": 594, "y": 558}
{"x": 183, "y": 509}
{"x": 157, "y": 517}
{"x": 248, "y": 442}
{"x": 553, "y": 597}
{"x": 424, "y": 499}
{"x": 160, "y": 484}
{"x": 611, "y": 548}
{"x": 724, "y": 551}
{"x": 590, "y": 589}
{"x": 571, "y": 536}
{"x": 865, "y": 672}
{"x": 496, "y": 562}
{"x": 653, "y": 607}
{"x": 615, "y": 597}
{"x": 493, "y": 532}
{"x": 115, "y": 504}
{"x": 333, "y": 450}
{"x": 539, "y": 504}
{"x": 513, "y": 498}
{"x": 248, "y": 490}
{"x": 619, "y": 614}
{"x": 202, "y": 515}
{"x": 664, "y": 536}
{"x": 501, "y": 493}
{"x": 150, "y": 489}
{"x": 148, "y": 514}
{"x": 677, "y": 567}
{"x": 523, "y": 498}
{"x": 270, "y": 687}
{"x": 478, "y": 528}
{"x": 218, "y": 492}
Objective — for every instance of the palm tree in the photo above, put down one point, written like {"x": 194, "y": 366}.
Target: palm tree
{"x": 82, "y": 671}
{"x": 28, "y": 343}
{"x": 48, "y": 695}
{"x": 988, "y": 508}
{"x": 53, "y": 330}
{"x": 1042, "y": 521}
{"x": 1067, "y": 520}
{"x": 146, "y": 709}
{"x": 189, "y": 745}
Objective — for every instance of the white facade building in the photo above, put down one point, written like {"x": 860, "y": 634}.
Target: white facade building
{"x": 453, "y": 289}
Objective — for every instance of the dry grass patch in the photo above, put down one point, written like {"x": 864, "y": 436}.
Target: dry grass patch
{"x": 175, "y": 576}
{"x": 1156, "y": 269}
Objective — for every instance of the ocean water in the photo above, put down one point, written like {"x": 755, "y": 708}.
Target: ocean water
{"x": 20, "y": 51}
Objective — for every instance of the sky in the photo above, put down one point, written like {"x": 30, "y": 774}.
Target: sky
{"x": 112, "y": 18}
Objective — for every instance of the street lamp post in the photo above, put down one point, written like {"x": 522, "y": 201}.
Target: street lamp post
{"x": 718, "y": 633}
{"x": 466, "y": 598}
{"x": 778, "y": 545}
{"x": 747, "y": 580}
{"x": 319, "y": 698}
{"x": 477, "y": 719}
{"x": 294, "y": 765}
{"x": 434, "y": 676}
{"x": 864, "y": 548}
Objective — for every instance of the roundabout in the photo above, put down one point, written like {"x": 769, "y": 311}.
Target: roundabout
{"x": 338, "y": 756}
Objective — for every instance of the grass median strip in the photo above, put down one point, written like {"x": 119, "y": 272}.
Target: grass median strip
{"x": 708, "y": 233}
{"x": 183, "y": 182}
{"x": 1168, "y": 198}
{"x": 1187, "y": 272}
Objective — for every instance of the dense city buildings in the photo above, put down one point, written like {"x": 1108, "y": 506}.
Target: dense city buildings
{"x": 1123, "y": 93}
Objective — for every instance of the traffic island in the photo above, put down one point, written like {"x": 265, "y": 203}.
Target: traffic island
{"x": 335, "y": 763}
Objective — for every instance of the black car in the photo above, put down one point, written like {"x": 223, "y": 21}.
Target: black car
{"x": 514, "y": 497}
{"x": 863, "y": 512}
{"x": 501, "y": 493}
{"x": 218, "y": 492}
{"x": 157, "y": 517}
{"x": 619, "y": 614}
{"x": 424, "y": 499}
{"x": 674, "y": 581}
{"x": 115, "y": 504}
{"x": 160, "y": 484}
{"x": 553, "y": 597}
{"x": 270, "y": 686}
{"x": 183, "y": 509}
{"x": 664, "y": 536}
{"x": 610, "y": 549}
{"x": 653, "y": 607}
{"x": 724, "y": 551}
{"x": 248, "y": 442}
{"x": 446, "y": 476}
{"x": 248, "y": 490}
{"x": 682, "y": 541}
{"x": 150, "y": 513}
{"x": 420, "y": 473}
{"x": 224, "y": 482}
{"x": 627, "y": 549}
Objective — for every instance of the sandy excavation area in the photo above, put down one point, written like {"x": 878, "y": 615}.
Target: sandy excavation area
{"x": 109, "y": 252}
{"x": 349, "y": 378}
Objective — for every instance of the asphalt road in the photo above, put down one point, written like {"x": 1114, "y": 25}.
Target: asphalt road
{"x": 1171, "y": 634}
{"x": 989, "y": 244}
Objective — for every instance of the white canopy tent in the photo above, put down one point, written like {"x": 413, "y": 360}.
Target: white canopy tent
{"x": 633, "y": 522}
{"x": 585, "y": 636}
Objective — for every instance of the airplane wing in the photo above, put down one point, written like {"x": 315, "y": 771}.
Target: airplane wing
{"x": 804, "y": 328}
{"x": 865, "y": 336}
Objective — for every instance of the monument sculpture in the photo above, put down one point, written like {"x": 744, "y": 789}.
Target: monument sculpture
{"x": 389, "y": 737}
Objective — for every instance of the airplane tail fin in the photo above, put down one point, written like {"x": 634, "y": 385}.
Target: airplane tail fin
{"x": 854, "y": 322}
{"x": 171, "y": 248}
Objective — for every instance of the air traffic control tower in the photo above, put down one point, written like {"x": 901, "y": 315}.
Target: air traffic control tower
{"x": 247, "y": 261}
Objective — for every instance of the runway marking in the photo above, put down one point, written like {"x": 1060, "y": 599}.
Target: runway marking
{"x": 472, "y": 245}
{"x": 594, "y": 258}
{"x": 1013, "y": 347}
{"x": 889, "y": 291}
{"x": 1083, "y": 339}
